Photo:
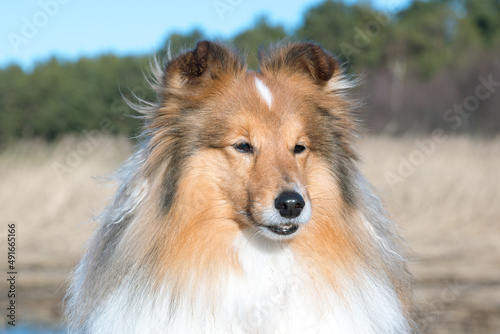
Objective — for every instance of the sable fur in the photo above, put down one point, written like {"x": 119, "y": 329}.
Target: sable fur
{"x": 154, "y": 238}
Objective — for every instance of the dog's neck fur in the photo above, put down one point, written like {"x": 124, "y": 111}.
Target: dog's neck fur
{"x": 271, "y": 293}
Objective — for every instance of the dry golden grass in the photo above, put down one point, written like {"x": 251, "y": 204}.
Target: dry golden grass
{"x": 448, "y": 208}
{"x": 53, "y": 216}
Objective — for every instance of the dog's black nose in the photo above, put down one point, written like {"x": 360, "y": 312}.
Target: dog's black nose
{"x": 289, "y": 204}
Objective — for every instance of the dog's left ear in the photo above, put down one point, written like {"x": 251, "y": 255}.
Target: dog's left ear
{"x": 305, "y": 58}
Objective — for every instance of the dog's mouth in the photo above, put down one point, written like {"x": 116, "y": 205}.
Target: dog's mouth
{"x": 283, "y": 229}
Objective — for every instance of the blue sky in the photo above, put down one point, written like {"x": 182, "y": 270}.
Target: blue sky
{"x": 34, "y": 30}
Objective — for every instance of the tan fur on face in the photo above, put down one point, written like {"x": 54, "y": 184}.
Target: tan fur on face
{"x": 227, "y": 182}
{"x": 326, "y": 243}
{"x": 197, "y": 246}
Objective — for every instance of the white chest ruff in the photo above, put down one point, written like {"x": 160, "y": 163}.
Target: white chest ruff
{"x": 272, "y": 295}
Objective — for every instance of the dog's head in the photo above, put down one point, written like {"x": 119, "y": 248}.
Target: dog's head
{"x": 273, "y": 144}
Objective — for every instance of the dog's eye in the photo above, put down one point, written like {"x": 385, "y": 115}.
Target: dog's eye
{"x": 299, "y": 149}
{"x": 243, "y": 147}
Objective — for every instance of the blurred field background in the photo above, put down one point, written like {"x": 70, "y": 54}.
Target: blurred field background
{"x": 430, "y": 89}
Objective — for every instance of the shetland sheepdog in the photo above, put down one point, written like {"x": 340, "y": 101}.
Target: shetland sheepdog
{"x": 243, "y": 210}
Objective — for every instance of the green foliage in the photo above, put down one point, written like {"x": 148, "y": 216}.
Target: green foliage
{"x": 259, "y": 36}
{"x": 483, "y": 18}
{"x": 353, "y": 32}
{"x": 424, "y": 35}
{"x": 422, "y": 44}
{"x": 60, "y": 97}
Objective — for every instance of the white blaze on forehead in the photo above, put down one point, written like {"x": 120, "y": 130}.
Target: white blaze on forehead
{"x": 264, "y": 91}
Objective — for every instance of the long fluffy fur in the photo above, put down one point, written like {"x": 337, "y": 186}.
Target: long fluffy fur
{"x": 158, "y": 264}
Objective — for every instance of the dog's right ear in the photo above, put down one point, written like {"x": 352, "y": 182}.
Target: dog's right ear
{"x": 208, "y": 61}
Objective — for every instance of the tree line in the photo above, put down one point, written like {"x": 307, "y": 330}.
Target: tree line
{"x": 431, "y": 65}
